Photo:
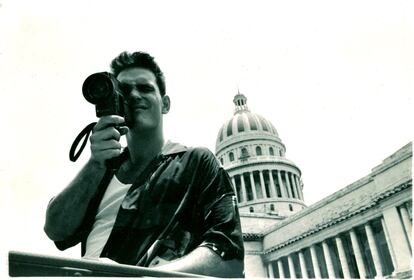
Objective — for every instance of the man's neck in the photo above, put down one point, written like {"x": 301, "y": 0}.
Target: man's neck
{"x": 144, "y": 147}
{"x": 142, "y": 150}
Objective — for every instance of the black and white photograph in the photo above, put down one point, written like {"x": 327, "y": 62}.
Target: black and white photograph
{"x": 232, "y": 139}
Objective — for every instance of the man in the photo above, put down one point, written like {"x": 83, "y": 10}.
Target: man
{"x": 163, "y": 205}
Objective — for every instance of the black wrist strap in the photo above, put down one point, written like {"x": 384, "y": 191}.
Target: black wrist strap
{"x": 83, "y": 134}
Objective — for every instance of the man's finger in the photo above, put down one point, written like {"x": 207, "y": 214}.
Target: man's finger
{"x": 107, "y": 121}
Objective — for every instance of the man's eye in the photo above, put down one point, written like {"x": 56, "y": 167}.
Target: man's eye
{"x": 145, "y": 88}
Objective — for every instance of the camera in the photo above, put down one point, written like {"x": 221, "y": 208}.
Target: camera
{"x": 102, "y": 89}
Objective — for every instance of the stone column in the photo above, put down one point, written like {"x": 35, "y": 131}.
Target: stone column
{"x": 262, "y": 184}
{"x": 272, "y": 186}
{"x": 270, "y": 270}
{"x": 253, "y": 185}
{"x": 294, "y": 186}
{"x": 406, "y": 221}
{"x": 389, "y": 245}
{"x": 281, "y": 271}
{"x": 233, "y": 181}
{"x": 303, "y": 265}
{"x": 358, "y": 254}
{"x": 398, "y": 241}
{"x": 315, "y": 262}
{"x": 289, "y": 190}
{"x": 291, "y": 267}
{"x": 299, "y": 187}
{"x": 295, "y": 178}
{"x": 281, "y": 185}
{"x": 342, "y": 258}
{"x": 243, "y": 186}
{"x": 374, "y": 250}
{"x": 328, "y": 260}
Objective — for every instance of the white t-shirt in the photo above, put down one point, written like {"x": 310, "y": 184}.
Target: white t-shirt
{"x": 105, "y": 218}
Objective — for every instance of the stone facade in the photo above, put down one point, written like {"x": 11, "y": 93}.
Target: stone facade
{"x": 361, "y": 231}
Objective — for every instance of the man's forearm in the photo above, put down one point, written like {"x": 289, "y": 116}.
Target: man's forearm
{"x": 66, "y": 211}
{"x": 205, "y": 262}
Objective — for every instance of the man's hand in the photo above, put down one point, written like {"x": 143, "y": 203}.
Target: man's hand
{"x": 105, "y": 138}
{"x": 205, "y": 262}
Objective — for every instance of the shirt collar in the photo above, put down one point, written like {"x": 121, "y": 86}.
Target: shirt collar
{"x": 171, "y": 148}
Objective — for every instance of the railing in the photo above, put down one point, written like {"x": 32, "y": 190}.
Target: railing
{"x": 29, "y": 264}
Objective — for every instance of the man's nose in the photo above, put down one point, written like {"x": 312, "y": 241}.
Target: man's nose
{"x": 134, "y": 94}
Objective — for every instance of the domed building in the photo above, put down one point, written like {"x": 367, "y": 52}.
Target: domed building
{"x": 361, "y": 231}
{"x": 268, "y": 186}
{"x": 251, "y": 151}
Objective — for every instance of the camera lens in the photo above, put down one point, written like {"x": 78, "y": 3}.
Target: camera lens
{"x": 97, "y": 87}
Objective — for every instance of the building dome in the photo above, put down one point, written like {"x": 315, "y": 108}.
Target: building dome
{"x": 244, "y": 123}
{"x": 266, "y": 183}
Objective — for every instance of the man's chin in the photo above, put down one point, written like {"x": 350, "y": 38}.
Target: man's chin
{"x": 129, "y": 122}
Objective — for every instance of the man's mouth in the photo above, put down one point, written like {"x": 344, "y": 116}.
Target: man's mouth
{"x": 137, "y": 107}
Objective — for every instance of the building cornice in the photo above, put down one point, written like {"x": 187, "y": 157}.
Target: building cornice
{"x": 253, "y": 236}
{"x": 252, "y": 161}
{"x": 374, "y": 202}
{"x": 247, "y": 137}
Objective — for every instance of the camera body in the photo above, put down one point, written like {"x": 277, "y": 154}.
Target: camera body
{"x": 102, "y": 89}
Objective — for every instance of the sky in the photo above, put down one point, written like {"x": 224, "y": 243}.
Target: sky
{"x": 334, "y": 77}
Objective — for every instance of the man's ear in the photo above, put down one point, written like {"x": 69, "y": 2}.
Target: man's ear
{"x": 165, "y": 104}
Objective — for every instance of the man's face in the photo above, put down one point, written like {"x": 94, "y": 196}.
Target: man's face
{"x": 144, "y": 104}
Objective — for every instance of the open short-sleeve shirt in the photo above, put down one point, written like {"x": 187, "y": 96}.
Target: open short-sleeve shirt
{"x": 184, "y": 199}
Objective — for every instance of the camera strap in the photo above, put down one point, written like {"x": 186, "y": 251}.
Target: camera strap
{"x": 83, "y": 134}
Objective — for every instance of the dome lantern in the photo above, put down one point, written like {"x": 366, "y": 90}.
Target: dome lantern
{"x": 241, "y": 102}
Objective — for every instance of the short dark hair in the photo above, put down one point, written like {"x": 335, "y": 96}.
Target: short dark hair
{"x": 144, "y": 60}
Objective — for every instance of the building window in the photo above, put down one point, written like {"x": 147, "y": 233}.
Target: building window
{"x": 251, "y": 209}
{"x": 271, "y": 152}
{"x": 221, "y": 160}
{"x": 280, "y": 153}
{"x": 258, "y": 151}
{"x": 272, "y": 207}
{"x": 231, "y": 156}
{"x": 244, "y": 153}
{"x": 290, "y": 207}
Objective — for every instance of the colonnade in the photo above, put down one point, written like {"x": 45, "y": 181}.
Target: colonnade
{"x": 268, "y": 183}
{"x": 378, "y": 248}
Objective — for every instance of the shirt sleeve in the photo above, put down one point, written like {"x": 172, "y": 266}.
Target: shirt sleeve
{"x": 221, "y": 222}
